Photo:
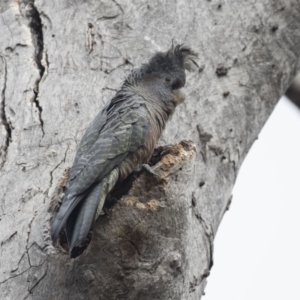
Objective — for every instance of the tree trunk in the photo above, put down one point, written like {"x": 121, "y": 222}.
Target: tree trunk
{"x": 60, "y": 61}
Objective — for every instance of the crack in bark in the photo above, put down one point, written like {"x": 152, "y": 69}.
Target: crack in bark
{"x": 45, "y": 62}
{"x": 204, "y": 139}
{"x": 126, "y": 62}
{"x": 14, "y": 276}
{"x": 109, "y": 89}
{"x": 42, "y": 277}
{"x": 108, "y": 17}
{"x": 3, "y": 118}
{"x": 36, "y": 29}
{"x": 209, "y": 237}
{"x": 26, "y": 296}
{"x": 30, "y": 265}
{"x": 233, "y": 162}
{"x": 28, "y": 234}
{"x": 90, "y": 38}
{"x": 119, "y": 6}
{"x": 21, "y": 273}
{"x": 38, "y": 247}
{"x": 12, "y": 49}
{"x": 17, "y": 268}
{"x": 9, "y": 238}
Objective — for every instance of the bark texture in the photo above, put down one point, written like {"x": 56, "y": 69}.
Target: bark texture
{"x": 59, "y": 62}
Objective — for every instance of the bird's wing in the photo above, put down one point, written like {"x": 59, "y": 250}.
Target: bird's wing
{"x": 120, "y": 128}
{"x": 99, "y": 152}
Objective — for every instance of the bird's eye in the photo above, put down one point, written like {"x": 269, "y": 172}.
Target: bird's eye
{"x": 168, "y": 79}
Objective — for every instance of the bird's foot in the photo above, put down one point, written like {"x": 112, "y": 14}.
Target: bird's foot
{"x": 145, "y": 168}
{"x": 106, "y": 212}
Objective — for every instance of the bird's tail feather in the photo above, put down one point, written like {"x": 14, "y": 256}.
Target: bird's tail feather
{"x": 81, "y": 219}
{"x": 66, "y": 209}
{"x": 111, "y": 180}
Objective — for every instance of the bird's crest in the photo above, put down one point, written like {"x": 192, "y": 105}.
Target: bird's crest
{"x": 178, "y": 58}
{"x": 186, "y": 55}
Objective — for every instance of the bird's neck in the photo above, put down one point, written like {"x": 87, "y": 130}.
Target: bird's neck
{"x": 158, "y": 109}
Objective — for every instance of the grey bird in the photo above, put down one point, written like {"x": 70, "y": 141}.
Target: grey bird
{"x": 121, "y": 138}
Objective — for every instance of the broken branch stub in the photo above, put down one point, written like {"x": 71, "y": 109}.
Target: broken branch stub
{"x": 140, "y": 248}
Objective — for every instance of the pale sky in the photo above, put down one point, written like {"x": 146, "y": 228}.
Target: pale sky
{"x": 257, "y": 247}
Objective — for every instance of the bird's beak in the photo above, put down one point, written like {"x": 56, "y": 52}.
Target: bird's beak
{"x": 179, "y": 95}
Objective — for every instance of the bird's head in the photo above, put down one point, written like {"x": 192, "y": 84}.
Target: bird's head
{"x": 163, "y": 77}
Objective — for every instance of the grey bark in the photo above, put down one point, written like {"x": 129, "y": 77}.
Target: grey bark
{"x": 60, "y": 61}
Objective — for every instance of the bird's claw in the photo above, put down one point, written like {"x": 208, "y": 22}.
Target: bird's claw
{"x": 146, "y": 168}
{"x": 106, "y": 212}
